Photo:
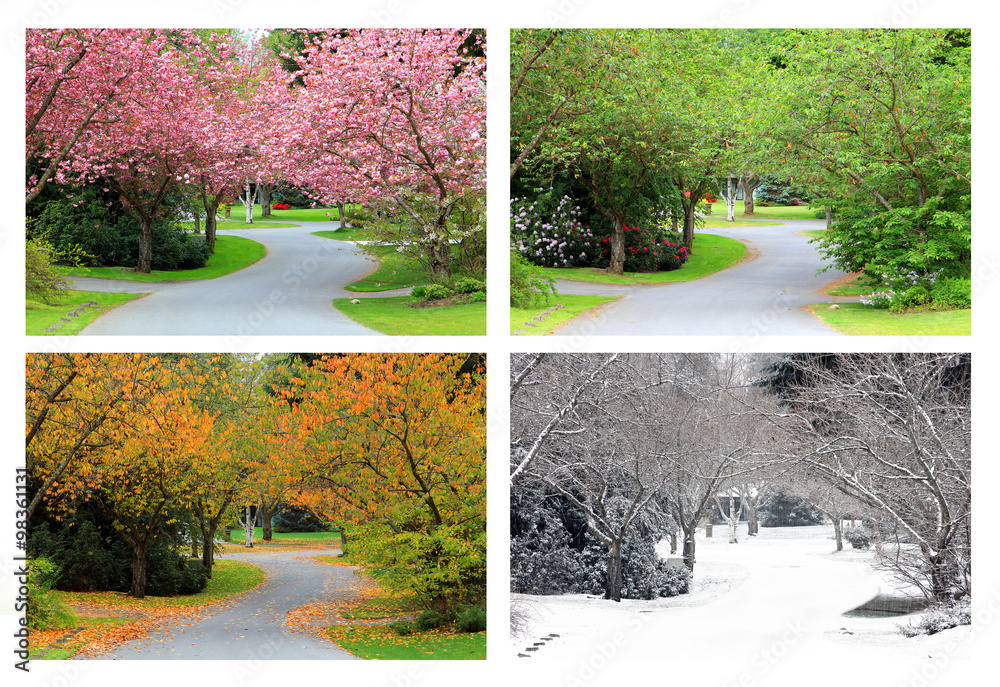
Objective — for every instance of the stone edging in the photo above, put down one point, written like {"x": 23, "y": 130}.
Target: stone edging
{"x": 537, "y": 318}
{"x": 76, "y": 313}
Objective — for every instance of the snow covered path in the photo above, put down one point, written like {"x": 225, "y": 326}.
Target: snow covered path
{"x": 767, "y": 610}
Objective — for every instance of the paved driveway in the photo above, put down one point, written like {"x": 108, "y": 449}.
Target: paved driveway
{"x": 762, "y": 296}
{"x": 288, "y": 292}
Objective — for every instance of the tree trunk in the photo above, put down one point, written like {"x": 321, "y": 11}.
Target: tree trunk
{"x": 748, "y": 188}
{"x": 343, "y": 540}
{"x": 138, "y": 589}
{"x": 194, "y": 545}
{"x": 673, "y": 542}
{"x": 939, "y": 575}
{"x": 730, "y": 200}
{"x": 248, "y": 523}
{"x": 617, "y": 261}
{"x": 197, "y": 220}
{"x": 752, "y": 524}
{"x": 208, "y": 547}
{"x": 688, "y": 238}
{"x": 838, "y": 531}
{"x": 265, "y": 200}
{"x": 265, "y": 522}
{"x": 248, "y": 202}
{"x": 688, "y": 551}
{"x": 613, "y": 590}
{"x": 340, "y": 215}
{"x": 145, "y": 262}
{"x": 211, "y": 205}
{"x": 829, "y": 217}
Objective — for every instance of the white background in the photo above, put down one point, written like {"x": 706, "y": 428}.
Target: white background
{"x": 499, "y": 670}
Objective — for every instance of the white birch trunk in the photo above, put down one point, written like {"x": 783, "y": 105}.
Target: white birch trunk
{"x": 248, "y": 523}
{"x": 730, "y": 200}
{"x": 248, "y": 202}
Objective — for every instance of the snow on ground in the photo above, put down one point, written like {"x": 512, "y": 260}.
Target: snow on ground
{"x": 767, "y": 610}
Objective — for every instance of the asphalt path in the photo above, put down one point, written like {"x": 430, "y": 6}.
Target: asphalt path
{"x": 252, "y": 627}
{"x": 288, "y": 292}
{"x": 763, "y": 295}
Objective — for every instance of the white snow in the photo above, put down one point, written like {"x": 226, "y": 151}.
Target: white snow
{"x": 767, "y": 610}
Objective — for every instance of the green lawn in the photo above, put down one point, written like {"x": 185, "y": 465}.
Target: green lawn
{"x": 237, "y": 224}
{"x": 346, "y": 234}
{"x": 38, "y": 316}
{"x": 711, "y": 254}
{"x": 397, "y": 317}
{"x": 812, "y": 233}
{"x": 719, "y": 220}
{"x": 292, "y": 214}
{"x": 232, "y": 253}
{"x": 238, "y": 536}
{"x": 760, "y": 212}
{"x": 383, "y": 643}
{"x": 395, "y": 271}
{"x": 575, "y": 305}
{"x": 861, "y": 320}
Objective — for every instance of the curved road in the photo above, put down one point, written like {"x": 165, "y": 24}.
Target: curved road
{"x": 288, "y": 292}
{"x": 762, "y": 296}
{"x": 252, "y": 626}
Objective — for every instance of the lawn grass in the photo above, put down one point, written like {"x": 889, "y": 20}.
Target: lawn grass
{"x": 293, "y": 214}
{"x": 238, "y": 536}
{"x": 854, "y": 286}
{"x": 232, "y": 253}
{"x": 396, "y": 316}
{"x": 394, "y": 271}
{"x": 347, "y": 234}
{"x": 856, "y": 319}
{"x": 773, "y": 212}
{"x": 229, "y": 578}
{"x": 711, "y": 254}
{"x": 382, "y": 643}
{"x": 716, "y": 221}
{"x": 38, "y": 316}
{"x": 812, "y": 233}
{"x": 574, "y": 305}
{"x": 237, "y": 224}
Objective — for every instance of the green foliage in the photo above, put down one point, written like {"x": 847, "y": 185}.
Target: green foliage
{"x": 903, "y": 246}
{"x": 528, "y": 288}
{"x": 477, "y": 297}
{"x": 429, "y": 619}
{"x": 100, "y": 236}
{"x": 471, "y": 619}
{"x": 468, "y": 285}
{"x": 92, "y": 558}
{"x": 436, "y": 292}
{"x": 952, "y": 293}
{"x": 403, "y": 627}
{"x": 914, "y": 297}
{"x": 41, "y": 281}
{"x": 443, "y": 568}
{"x": 45, "y": 610}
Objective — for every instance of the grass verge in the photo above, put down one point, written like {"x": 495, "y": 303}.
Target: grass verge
{"x": 237, "y": 224}
{"x": 38, "y": 316}
{"x": 238, "y": 536}
{"x": 382, "y": 643}
{"x": 346, "y": 234}
{"x": 394, "y": 271}
{"x": 574, "y": 305}
{"x": 717, "y": 221}
{"x": 711, "y": 254}
{"x": 856, "y": 319}
{"x": 232, "y": 253}
{"x": 293, "y": 214}
{"x": 773, "y": 212}
{"x": 396, "y": 316}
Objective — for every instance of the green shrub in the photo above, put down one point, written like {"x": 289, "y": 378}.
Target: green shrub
{"x": 103, "y": 238}
{"x": 436, "y": 292}
{"x": 41, "y": 281}
{"x": 527, "y": 287}
{"x": 820, "y": 214}
{"x": 428, "y": 620}
{"x": 419, "y": 292}
{"x": 952, "y": 293}
{"x": 45, "y": 611}
{"x": 477, "y": 297}
{"x": 471, "y": 619}
{"x": 403, "y": 627}
{"x": 914, "y": 297}
{"x": 469, "y": 285}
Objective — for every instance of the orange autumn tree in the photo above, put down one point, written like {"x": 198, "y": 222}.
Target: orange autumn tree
{"x": 396, "y": 445}
{"x": 122, "y": 434}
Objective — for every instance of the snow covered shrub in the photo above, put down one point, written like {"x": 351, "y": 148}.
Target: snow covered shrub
{"x": 556, "y": 239}
{"x": 644, "y": 574}
{"x": 860, "y": 537}
{"x": 541, "y": 559}
{"x": 940, "y": 618}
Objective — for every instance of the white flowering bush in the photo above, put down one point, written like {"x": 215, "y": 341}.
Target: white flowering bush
{"x": 556, "y": 239}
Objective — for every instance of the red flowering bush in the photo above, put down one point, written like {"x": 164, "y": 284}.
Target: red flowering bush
{"x": 670, "y": 255}
{"x": 280, "y": 206}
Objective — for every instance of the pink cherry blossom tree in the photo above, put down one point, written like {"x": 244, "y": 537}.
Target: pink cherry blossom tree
{"x": 394, "y": 118}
